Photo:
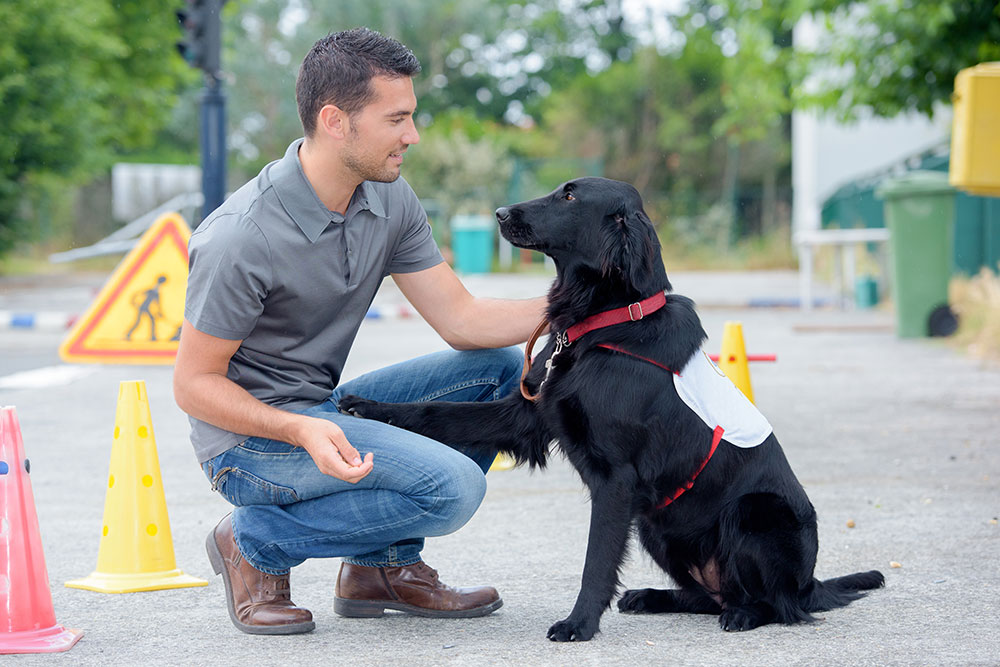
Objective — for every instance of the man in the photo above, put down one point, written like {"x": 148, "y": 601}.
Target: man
{"x": 281, "y": 276}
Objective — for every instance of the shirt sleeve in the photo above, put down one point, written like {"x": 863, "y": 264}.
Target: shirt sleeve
{"x": 415, "y": 249}
{"x": 229, "y": 276}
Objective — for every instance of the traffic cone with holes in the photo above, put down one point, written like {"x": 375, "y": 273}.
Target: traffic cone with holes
{"x": 733, "y": 358}
{"x": 27, "y": 619}
{"x": 137, "y": 550}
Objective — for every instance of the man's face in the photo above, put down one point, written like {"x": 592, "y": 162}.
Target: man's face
{"x": 382, "y": 131}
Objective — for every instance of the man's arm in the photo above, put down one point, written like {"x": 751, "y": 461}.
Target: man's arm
{"x": 202, "y": 390}
{"x": 466, "y": 322}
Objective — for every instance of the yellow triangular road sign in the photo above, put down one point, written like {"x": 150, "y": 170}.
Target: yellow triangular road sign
{"x": 136, "y": 318}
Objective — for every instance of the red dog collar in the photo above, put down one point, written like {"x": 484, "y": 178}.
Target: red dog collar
{"x": 630, "y": 313}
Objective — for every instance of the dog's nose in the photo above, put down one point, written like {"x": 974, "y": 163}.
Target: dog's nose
{"x": 503, "y": 214}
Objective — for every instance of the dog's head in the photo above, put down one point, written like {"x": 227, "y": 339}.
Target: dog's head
{"x": 594, "y": 225}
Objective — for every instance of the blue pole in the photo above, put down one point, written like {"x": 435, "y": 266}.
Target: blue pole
{"x": 213, "y": 145}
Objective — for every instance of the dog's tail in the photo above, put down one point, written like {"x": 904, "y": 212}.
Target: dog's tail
{"x": 840, "y": 591}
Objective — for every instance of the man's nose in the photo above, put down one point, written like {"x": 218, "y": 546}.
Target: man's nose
{"x": 411, "y": 136}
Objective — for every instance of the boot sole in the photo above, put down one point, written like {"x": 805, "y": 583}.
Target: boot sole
{"x": 376, "y": 608}
{"x": 219, "y": 566}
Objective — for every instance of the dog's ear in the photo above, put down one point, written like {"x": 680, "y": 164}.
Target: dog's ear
{"x": 630, "y": 249}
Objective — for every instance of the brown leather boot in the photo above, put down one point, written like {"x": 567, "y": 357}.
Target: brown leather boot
{"x": 259, "y": 603}
{"x": 365, "y": 592}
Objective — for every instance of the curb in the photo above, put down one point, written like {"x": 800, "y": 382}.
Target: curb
{"x": 59, "y": 321}
{"x": 394, "y": 312}
{"x": 52, "y": 321}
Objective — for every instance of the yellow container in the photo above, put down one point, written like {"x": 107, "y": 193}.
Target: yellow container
{"x": 975, "y": 134}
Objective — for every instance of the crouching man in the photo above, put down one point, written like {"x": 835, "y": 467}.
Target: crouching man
{"x": 281, "y": 276}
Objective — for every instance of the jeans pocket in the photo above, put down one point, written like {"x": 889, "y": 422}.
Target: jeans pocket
{"x": 240, "y": 487}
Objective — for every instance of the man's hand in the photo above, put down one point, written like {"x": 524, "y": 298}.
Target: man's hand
{"x": 330, "y": 450}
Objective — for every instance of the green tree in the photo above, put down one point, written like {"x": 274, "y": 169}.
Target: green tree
{"x": 495, "y": 59}
{"x": 883, "y": 57}
{"x": 892, "y": 56}
{"x": 670, "y": 124}
{"x": 80, "y": 80}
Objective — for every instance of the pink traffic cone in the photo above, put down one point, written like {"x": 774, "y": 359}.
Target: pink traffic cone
{"x": 27, "y": 619}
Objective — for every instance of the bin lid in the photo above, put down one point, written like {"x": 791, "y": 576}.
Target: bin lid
{"x": 919, "y": 182}
{"x": 982, "y": 69}
{"x": 473, "y": 222}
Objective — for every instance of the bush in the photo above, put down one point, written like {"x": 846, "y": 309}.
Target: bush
{"x": 977, "y": 302}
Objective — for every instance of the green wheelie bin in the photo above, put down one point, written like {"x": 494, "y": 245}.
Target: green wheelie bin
{"x": 920, "y": 215}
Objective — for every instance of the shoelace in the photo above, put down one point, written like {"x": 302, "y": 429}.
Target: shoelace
{"x": 279, "y": 588}
{"x": 433, "y": 572}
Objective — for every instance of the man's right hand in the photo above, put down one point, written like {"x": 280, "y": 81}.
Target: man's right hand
{"x": 330, "y": 450}
{"x": 203, "y": 390}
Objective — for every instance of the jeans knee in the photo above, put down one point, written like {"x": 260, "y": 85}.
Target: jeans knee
{"x": 462, "y": 488}
{"x": 509, "y": 361}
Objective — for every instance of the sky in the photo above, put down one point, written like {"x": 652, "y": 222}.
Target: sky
{"x": 647, "y": 17}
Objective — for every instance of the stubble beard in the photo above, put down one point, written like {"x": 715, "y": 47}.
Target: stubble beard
{"x": 367, "y": 166}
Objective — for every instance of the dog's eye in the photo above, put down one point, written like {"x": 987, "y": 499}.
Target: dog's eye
{"x": 569, "y": 196}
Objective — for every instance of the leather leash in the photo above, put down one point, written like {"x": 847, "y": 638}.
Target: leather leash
{"x": 630, "y": 313}
{"x": 527, "y": 359}
{"x": 598, "y": 321}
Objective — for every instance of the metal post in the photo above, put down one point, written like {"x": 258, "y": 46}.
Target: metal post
{"x": 213, "y": 145}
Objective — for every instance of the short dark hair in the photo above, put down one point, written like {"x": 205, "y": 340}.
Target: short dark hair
{"x": 339, "y": 68}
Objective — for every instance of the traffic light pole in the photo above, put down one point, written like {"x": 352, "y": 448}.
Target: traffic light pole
{"x": 213, "y": 145}
{"x": 202, "y": 48}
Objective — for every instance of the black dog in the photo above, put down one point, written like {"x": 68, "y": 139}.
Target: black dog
{"x": 717, "y": 505}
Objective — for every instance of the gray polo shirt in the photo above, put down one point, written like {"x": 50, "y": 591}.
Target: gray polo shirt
{"x": 276, "y": 269}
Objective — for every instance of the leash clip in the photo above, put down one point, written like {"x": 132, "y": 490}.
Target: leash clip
{"x": 562, "y": 340}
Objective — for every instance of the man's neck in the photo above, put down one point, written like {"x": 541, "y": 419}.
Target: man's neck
{"x": 332, "y": 182}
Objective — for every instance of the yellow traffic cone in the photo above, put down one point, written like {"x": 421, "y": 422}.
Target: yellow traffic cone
{"x": 137, "y": 550}
{"x": 733, "y": 358}
{"x": 502, "y": 462}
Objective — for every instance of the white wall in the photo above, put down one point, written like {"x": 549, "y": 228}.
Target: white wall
{"x": 138, "y": 188}
{"x": 827, "y": 154}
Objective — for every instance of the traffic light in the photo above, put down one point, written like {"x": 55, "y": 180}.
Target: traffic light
{"x": 202, "y": 34}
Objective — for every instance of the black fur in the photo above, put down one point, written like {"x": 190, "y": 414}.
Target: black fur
{"x": 741, "y": 543}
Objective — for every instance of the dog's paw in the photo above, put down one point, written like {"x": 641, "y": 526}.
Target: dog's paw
{"x": 634, "y": 602}
{"x": 357, "y": 406}
{"x": 739, "y": 619}
{"x": 572, "y": 631}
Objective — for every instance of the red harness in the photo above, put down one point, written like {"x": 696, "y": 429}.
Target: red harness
{"x": 630, "y": 313}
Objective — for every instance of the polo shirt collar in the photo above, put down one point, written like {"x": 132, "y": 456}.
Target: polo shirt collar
{"x": 300, "y": 201}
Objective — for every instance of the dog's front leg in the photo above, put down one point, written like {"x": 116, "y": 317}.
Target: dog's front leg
{"x": 610, "y": 520}
{"x": 510, "y": 424}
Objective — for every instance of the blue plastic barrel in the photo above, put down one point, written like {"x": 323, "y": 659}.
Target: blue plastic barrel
{"x": 472, "y": 242}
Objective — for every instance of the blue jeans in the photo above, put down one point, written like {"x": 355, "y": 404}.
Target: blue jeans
{"x": 288, "y": 511}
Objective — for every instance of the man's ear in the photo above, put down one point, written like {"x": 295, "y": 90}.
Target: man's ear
{"x": 332, "y": 120}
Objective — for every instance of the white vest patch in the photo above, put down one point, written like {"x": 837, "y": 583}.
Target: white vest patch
{"x": 718, "y": 402}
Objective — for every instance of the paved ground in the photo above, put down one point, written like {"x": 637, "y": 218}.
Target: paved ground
{"x": 896, "y": 436}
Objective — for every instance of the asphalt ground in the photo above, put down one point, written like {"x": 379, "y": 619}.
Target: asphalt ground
{"x": 896, "y": 438}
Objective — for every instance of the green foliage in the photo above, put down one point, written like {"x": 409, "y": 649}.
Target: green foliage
{"x": 892, "y": 56}
{"x": 660, "y": 122}
{"x": 498, "y": 59}
{"x": 462, "y": 163}
{"x": 79, "y": 80}
{"x": 883, "y": 57}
